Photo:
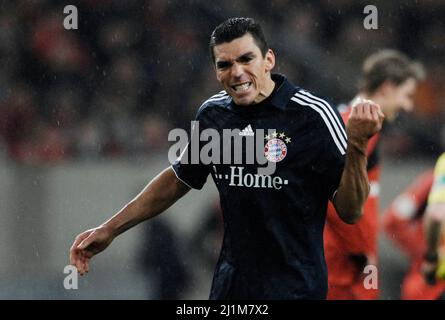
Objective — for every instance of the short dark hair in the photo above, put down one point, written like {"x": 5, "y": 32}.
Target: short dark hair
{"x": 388, "y": 65}
{"x": 234, "y": 28}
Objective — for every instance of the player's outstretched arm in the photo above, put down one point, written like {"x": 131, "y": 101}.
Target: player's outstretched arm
{"x": 365, "y": 120}
{"x": 164, "y": 190}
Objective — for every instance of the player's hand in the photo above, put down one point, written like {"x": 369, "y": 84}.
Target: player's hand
{"x": 365, "y": 120}
{"x": 429, "y": 272}
{"x": 86, "y": 245}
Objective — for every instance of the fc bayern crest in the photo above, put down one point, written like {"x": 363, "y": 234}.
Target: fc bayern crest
{"x": 275, "y": 150}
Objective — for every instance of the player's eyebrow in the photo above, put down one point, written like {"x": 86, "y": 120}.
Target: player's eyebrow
{"x": 247, "y": 56}
{"x": 221, "y": 64}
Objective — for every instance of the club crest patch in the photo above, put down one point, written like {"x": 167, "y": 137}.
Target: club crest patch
{"x": 275, "y": 149}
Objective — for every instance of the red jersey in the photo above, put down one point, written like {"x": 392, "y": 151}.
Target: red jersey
{"x": 403, "y": 224}
{"x": 349, "y": 248}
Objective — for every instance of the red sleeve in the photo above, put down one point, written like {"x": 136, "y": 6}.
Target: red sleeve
{"x": 400, "y": 220}
{"x": 359, "y": 238}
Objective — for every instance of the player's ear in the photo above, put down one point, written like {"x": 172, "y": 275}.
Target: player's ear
{"x": 387, "y": 88}
{"x": 218, "y": 74}
{"x": 270, "y": 60}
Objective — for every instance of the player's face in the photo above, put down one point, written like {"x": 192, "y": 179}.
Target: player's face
{"x": 242, "y": 70}
{"x": 401, "y": 97}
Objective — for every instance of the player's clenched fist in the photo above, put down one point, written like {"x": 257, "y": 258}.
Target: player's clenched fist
{"x": 365, "y": 120}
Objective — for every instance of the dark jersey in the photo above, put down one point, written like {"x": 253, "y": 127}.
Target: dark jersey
{"x": 273, "y": 224}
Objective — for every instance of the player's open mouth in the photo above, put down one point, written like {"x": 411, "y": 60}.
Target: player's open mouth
{"x": 242, "y": 87}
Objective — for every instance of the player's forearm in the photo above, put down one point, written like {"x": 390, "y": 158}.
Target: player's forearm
{"x": 354, "y": 185}
{"x": 160, "y": 193}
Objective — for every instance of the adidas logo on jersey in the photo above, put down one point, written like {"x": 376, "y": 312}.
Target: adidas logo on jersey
{"x": 247, "y": 131}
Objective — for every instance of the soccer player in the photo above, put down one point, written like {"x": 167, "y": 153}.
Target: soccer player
{"x": 433, "y": 224}
{"x": 273, "y": 224}
{"x": 403, "y": 224}
{"x": 390, "y": 80}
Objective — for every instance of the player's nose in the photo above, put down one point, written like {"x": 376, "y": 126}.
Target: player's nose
{"x": 237, "y": 70}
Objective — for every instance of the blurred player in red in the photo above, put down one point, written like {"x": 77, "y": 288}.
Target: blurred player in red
{"x": 403, "y": 224}
{"x": 389, "y": 79}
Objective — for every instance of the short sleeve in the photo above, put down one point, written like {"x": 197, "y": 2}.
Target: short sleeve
{"x": 188, "y": 167}
{"x": 333, "y": 144}
{"x": 437, "y": 194}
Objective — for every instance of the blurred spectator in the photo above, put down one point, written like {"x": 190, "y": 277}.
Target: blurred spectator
{"x": 129, "y": 61}
{"x": 18, "y": 119}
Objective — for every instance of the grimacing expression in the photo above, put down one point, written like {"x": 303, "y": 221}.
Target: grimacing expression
{"x": 401, "y": 97}
{"x": 242, "y": 70}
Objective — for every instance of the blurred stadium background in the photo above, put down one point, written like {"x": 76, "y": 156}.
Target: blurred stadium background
{"x": 85, "y": 114}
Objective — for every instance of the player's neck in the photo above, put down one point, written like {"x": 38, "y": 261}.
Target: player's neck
{"x": 266, "y": 91}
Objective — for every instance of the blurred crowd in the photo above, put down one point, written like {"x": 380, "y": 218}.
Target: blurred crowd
{"x": 135, "y": 69}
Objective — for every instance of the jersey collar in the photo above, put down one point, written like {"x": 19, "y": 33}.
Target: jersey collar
{"x": 284, "y": 92}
